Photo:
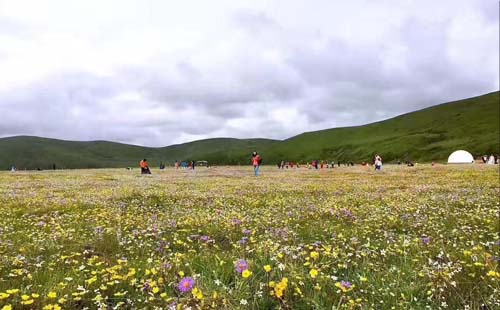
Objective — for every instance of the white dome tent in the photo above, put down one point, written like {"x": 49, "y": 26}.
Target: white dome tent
{"x": 460, "y": 157}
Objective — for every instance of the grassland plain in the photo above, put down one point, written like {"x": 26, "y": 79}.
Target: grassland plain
{"x": 219, "y": 238}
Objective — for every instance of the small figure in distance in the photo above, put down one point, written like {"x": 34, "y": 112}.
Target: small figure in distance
{"x": 144, "y": 167}
{"x": 256, "y": 161}
{"x": 378, "y": 162}
{"x": 491, "y": 160}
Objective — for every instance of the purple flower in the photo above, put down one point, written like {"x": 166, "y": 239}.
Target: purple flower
{"x": 186, "y": 285}
{"x": 241, "y": 265}
{"x": 204, "y": 238}
{"x": 346, "y": 284}
{"x": 426, "y": 240}
{"x": 243, "y": 241}
{"x": 247, "y": 231}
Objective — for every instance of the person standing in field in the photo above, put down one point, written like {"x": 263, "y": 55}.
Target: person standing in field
{"x": 256, "y": 161}
{"x": 144, "y": 167}
{"x": 378, "y": 162}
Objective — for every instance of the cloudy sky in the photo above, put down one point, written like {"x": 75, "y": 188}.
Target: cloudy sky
{"x": 155, "y": 72}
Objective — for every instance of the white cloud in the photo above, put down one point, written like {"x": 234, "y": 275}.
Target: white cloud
{"x": 162, "y": 72}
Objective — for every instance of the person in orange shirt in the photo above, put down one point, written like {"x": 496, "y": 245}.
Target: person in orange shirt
{"x": 144, "y": 167}
{"x": 256, "y": 161}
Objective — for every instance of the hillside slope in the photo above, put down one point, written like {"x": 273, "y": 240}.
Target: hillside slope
{"x": 425, "y": 135}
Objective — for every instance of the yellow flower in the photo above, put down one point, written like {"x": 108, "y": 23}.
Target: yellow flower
{"x": 25, "y": 297}
{"x": 52, "y": 295}
{"x": 13, "y": 291}
{"x": 268, "y": 268}
{"x": 493, "y": 274}
{"x": 313, "y": 273}
{"x": 197, "y": 293}
{"x": 314, "y": 255}
{"x": 7, "y": 307}
{"x": 280, "y": 288}
{"x": 181, "y": 273}
{"x": 27, "y": 302}
{"x": 272, "y": 284}
{"x": 156, "y": 289}
{"x": 163, "y": 295}
{"x": 62, "y": 300}
{"x": 246, "y": 273}
{"x": 35, "y": 295}
{"x": 363, "y": 279}
{"x": 4, "y": 295}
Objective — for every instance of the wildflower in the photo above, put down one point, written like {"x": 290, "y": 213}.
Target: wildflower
{"x": 314, "y": 255}
{"x": 13, "y": 291}
{"x": 426, "y": 240}
{"x": 27, "y": 302}
{"x": 243, "y": 302}
{"x": 246, "y": 273}
{"x": 268, "y": 268}
{"x": 7, "y": 307}
{"x": 52, "y": 295}
{"x": 313, "y": 273}
{"x": 4, "y": 295}
{"x": 241, "y": 265}
{"x": 279, "y": 289}
{"x": 197, "y": 293}
{"x": 186, "y": 285}
{"x": 345, "y": 286}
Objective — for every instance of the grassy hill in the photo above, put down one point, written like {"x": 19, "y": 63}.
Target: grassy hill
{"x": 426, "y": 135}
{"x": 430, "y": 134}
{"x": 34, "y": 152}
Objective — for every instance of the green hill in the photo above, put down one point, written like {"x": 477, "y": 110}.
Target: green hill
{"x": 425, "y": 135}
{"x": 430, "y": 134}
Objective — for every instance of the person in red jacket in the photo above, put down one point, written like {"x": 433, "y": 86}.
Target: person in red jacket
{"x": 256, "y": 161}
{"x": 144, "y": 167}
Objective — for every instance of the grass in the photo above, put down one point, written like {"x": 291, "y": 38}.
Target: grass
{"x": 405, "y": 238}
{"x": 427, "y": 135}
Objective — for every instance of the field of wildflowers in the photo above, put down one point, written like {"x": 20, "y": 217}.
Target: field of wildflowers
{"x": 220, "y": 238}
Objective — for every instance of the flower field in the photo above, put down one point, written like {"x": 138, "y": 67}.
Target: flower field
{"x": 220, "y": 238}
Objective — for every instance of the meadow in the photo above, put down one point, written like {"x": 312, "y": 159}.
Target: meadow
{"x": 219, "y": 238}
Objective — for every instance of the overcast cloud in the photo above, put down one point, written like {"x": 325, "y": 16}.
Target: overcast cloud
{"x": 157, "y": 72}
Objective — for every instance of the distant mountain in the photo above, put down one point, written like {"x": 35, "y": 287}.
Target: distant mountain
{"x": 425, "y": 135}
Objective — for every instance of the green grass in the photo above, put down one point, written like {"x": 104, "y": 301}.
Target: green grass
{"x": 427, "y": 135}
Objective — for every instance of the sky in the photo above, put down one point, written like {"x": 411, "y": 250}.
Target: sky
{"x": 157, "y": 73}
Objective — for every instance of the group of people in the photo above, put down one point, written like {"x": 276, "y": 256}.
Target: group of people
{"x": 491, "y": 160}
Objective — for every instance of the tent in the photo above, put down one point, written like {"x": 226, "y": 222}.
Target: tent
{"x": 460, "y": 157}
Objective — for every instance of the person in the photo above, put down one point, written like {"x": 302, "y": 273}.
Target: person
{"x": 256, "y": 161}
{"x": 192, "y": 165}
{"x": 378, "y": 162}
{"x": 144, "y": 166}
{"x": 485, "y": 159}
{"x": 162, "y": 166}
{"x": 176, "y": 164}
{"x": 491, "y": 160}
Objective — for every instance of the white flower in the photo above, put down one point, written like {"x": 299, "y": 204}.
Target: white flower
{"x": 281, "y": 266}
{"x": 243, "y": 302}
{"x": 217, "y": 282}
